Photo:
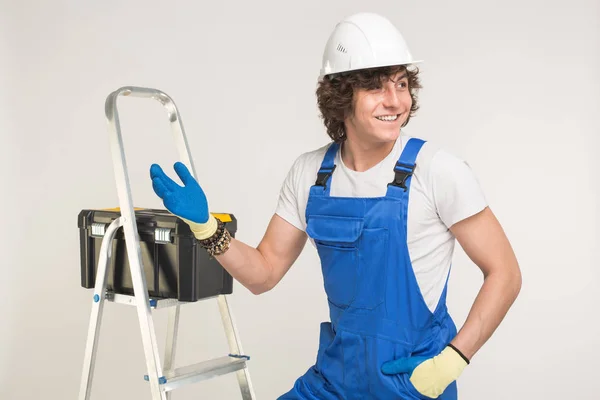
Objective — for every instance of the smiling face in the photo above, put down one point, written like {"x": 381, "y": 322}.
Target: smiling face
{"x": 380, "y": 112}
{"x": 351, "y": 103}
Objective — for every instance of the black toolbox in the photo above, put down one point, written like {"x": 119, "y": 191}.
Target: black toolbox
{"x": 175, "y": 265}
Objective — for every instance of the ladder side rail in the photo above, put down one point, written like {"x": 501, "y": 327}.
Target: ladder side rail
{"x": 99, "y": 298}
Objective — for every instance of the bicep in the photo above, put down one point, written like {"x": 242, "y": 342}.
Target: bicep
{"x": 281, "y": 246}
{"x": 484, "y": 241}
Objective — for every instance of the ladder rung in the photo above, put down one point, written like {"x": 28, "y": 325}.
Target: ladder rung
{"x": 130, "y": 300}
{"x": 202, "y": 371}
{"x": 154, "y": 303}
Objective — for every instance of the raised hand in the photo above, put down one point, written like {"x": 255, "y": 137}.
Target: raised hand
{"x": 187, "y": 202}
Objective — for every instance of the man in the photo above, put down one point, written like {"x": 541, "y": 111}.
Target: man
{"x": 383, "y": 210}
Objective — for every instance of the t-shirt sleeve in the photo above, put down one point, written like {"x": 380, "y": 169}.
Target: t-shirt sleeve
{"x": 456, "y": 190}
{"x": 287, "y": 205}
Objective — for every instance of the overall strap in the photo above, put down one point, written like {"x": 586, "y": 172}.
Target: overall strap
{"x": 404, "y": 168}
{"x": 322, "y": 184}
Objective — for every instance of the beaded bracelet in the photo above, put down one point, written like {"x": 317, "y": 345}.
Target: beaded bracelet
{"x": 219, "y": 242}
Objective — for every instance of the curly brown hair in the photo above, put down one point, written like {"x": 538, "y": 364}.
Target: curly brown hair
{"x": 335, "y": 95}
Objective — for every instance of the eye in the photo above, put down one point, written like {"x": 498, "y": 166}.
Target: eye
{"x": 403, "y": 84}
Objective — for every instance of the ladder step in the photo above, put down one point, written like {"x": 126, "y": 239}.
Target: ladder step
{"x": 154, "y": 303}
{"x": 131, "y": 300}
{"x": 202, "y": 371}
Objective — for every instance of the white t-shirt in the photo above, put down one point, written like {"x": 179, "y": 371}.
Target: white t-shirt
{"x": 443, "y": 191}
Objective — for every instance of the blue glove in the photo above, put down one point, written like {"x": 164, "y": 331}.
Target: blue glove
{"x": 402, "y": 365}
{"x": 430, "y": 375}
{"x": 188, "y": 202}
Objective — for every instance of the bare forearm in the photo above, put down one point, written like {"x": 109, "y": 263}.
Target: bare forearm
{"x": 260, "y": 269}
{"x": 491, "y": 305}
{"x": 247, "y": 265}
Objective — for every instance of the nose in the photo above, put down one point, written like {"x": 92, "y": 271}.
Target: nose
{"x": 390, "y": 97}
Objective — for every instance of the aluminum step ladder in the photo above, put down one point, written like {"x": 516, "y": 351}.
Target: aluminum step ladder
{"x": 162, "y": 378}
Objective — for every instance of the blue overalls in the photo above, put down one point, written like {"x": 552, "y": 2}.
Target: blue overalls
{"x": 376, "y": 308}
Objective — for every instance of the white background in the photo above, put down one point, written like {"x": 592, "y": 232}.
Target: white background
{"x": 510, "y": 86}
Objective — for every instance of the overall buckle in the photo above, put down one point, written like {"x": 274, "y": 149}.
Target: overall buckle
{"x": 402, "y": 171}
{"x": 323, "y": 175}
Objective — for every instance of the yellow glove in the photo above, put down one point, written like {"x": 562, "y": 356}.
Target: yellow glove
{"x": 203, "y": 231}
{"x": 430, "y": 376}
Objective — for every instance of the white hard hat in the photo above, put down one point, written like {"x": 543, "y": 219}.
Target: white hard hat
{"x": 364, "y": 40}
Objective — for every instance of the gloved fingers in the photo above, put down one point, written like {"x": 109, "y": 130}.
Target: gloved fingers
{"x": 402, "y": 365}
{"x": 159, "y": 188}
{"x": 183, "y": 173}
{"x": 156, "y": 172}
{"x": 396, "y": 367}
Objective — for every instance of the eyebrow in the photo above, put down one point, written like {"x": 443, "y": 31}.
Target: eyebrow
{"x": 403, "y": 76}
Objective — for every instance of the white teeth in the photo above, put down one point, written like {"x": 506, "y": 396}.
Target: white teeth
{"x": 387, "y": 117}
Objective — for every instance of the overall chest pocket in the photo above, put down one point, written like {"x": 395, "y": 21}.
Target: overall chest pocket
{"x": 353, "y": 260}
